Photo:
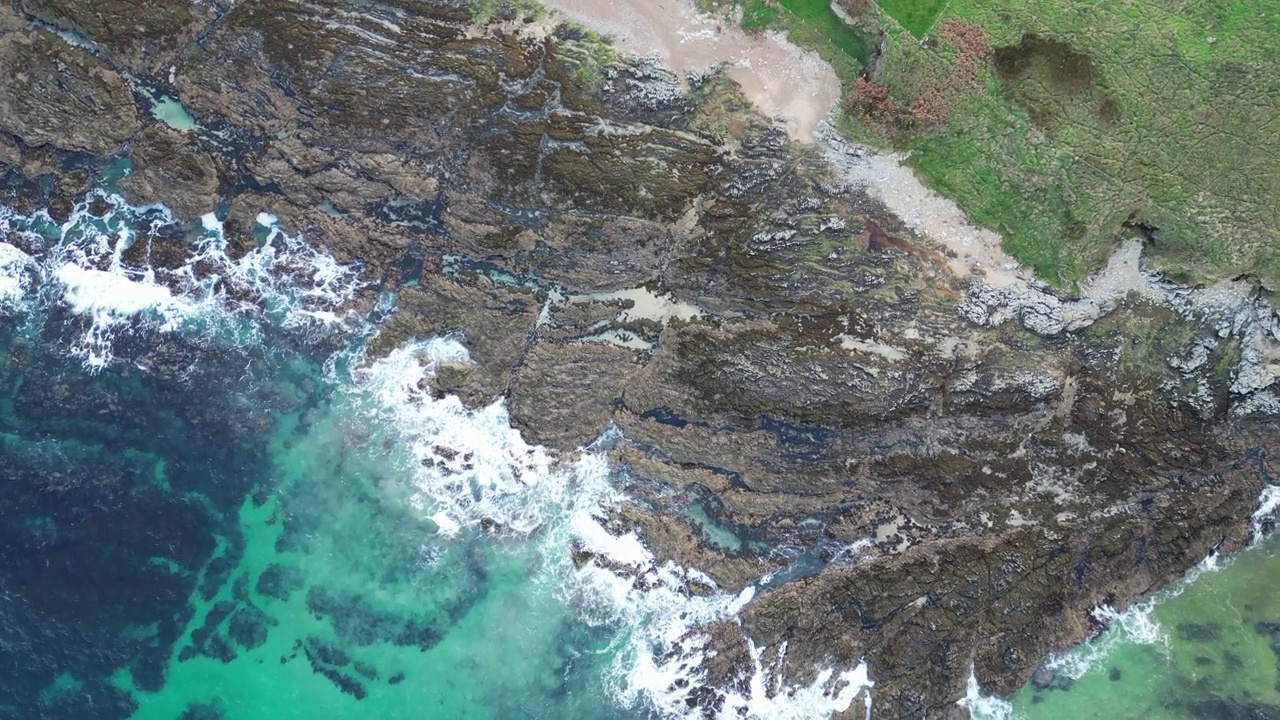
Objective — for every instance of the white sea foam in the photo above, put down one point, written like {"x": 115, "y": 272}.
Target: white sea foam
{"x": 302, "y": 286}
{"x": 471, "y": 469}
{"x": 664, "y": 646}
{"x": 1137, "y": 626}
{"x": 470, "y": 466}
{"x": 827, "y": 695}
{"x": 1268, "y": 507}
{"x": 982, "y": 707}
{"x": 624, "y": 550}
{"x": 111, "y": 299}
{"x": 16, "y": 272}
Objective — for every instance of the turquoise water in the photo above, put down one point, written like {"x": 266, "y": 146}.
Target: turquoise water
{"x": 1206, "y": 648}
{"x": 341, "y": 579}
{"x": 261, "y": 534}
{"x": 218, "y": 507}
{"x": 172, "y": 113}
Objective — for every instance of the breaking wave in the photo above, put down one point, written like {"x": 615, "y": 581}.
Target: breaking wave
{"x": 16, "y": 272}
{"x": 472, "y": 470}
{"x": 120, "y": 270}
{"x": 983, "y": 707}
{"x": 85, "y": 264}
{"x": 1136, "y": 626}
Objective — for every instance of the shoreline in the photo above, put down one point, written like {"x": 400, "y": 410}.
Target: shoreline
{"x": 687, "y": 41}
{"x": 786, "y": 82}
{"x": 1001, "y": 289}
{"x": 791, "y": 372}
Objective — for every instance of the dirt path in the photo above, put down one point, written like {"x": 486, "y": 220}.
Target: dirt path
{"x": 798, "y": 89}
{"x": 977, "y": 251}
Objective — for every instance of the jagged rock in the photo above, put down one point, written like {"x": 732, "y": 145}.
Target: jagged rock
{"x": 170, "y": 167}
{"x": 144, "y": 34}
{"x": 61, "y": 95}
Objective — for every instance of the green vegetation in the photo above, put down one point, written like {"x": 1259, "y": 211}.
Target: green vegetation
{"x": 589, "y": 51}
{"x": 1067, "y": 125}
{"x": 822, "y": 20}
{"x": 1091, "y": 120}
{"x": 809, "y": 23}
{"x": 916, "y": 16}
{"x": 484, "y": 11}
{"x": 757, "y": 14}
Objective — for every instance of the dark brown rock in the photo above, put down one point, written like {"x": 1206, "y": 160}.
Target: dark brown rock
{"x": 171, "y": 167}
{"x": 143, "y": 34}
{"x": 61, "y": 95}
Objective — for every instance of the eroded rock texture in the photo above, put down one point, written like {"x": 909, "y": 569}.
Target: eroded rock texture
{"x": 803, "y": 382}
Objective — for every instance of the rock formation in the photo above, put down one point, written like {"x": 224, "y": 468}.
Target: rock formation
{"x": 793, "y": 368}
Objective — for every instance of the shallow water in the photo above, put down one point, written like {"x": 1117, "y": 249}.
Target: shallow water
{"x": 217, "y": 507}
{"x": 1206, "y": 648}
{"x": 244, "y": 540}
{"x": 359, "y": 606}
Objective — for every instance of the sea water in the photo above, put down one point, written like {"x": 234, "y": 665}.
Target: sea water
{"x": 1206, "y": 647}
{"x": 217, "y": 506}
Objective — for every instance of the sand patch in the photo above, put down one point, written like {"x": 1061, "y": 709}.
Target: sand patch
{"x": 977, "y": 250}
{"x": 787, "y": 83}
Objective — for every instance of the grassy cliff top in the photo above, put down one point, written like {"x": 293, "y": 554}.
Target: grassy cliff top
{"x": 1068, "y": 124}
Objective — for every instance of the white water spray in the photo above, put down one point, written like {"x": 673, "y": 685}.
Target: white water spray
{"x": 84, "y": 265}
{"x": 472, "y": 470}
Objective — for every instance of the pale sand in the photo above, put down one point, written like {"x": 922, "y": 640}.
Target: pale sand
{"x": 883, "y": 175}
{"x": 799, "y": 90}
{"x": 787, "y": 83}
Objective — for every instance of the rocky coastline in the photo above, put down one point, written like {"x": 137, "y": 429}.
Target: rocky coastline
{"x": 938, "y": 471}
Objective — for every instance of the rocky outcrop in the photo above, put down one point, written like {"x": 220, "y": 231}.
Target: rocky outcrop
{"x": 172, "y": 165}
{"x": 57, "y": 94}
{"x": 789, "y": 364}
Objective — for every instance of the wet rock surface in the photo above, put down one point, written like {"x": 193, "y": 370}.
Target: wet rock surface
{"x": 802, "y": 387}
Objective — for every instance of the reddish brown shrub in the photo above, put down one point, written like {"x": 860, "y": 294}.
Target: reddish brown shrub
{"x": 930, "y": 107}
{"x": 868, "y": 93}
{"x": 972, "y": 51}
{"x": 966, "y": 39}
{"x": 970, "y": 54}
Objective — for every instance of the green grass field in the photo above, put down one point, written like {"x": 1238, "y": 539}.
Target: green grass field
{"x": 818, "y": 16}
{"x": 756, "y": 15}
{"x": 1094, "y": 121}
{"x": 809, "y": 23}
{"x": 917, "y": 16}
{"x": 1101, "y": 119}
